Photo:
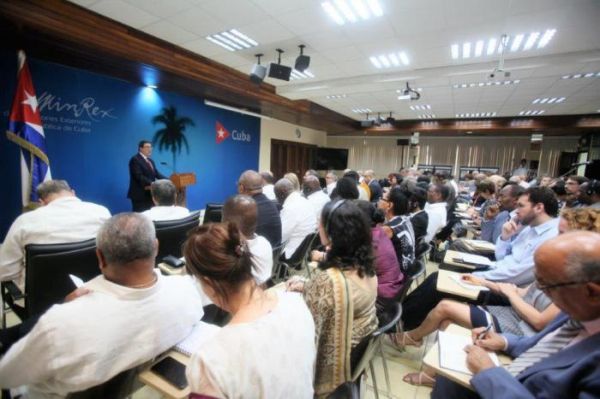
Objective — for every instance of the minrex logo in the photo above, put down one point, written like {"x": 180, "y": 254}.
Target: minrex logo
{"x": 222, "y": 134}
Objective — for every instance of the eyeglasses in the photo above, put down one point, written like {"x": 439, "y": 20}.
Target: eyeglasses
{"x": 549, "y": 287}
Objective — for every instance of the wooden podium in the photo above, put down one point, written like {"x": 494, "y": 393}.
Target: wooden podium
{"x": 181, "y": 181}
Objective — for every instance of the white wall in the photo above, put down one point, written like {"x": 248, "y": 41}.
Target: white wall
{"x": 276, "y": 129}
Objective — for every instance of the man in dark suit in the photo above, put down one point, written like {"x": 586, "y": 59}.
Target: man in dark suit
{"x": 561, "y": 361}
{"x": 142, "y": 172}
{"x": 269, "y": 221}
{"x": 374, "y": 186}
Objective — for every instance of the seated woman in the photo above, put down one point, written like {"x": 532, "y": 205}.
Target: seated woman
{"x": 268, "y": 348}
{"x": 398, "y": 226}
{"x": 389, "y": 276}
{"x": 342, "y": 292}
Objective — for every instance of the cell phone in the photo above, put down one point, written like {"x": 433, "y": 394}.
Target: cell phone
{"x": 172, "y": 371}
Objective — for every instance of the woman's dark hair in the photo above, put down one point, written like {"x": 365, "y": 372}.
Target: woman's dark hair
{"x": 398, "y": 177}
{"x": 345, "y": 189}
{"x": 399, "y": 201}
{"x": 416, "y": 196}
{"x": 373, "y": 214}
{"x": 218, "y": 252}
{"x": 348, "y": 230}
{"x": 425, "y": 179}
{"x": 559, "y": 188}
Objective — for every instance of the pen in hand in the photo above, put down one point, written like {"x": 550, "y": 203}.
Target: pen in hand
{"x": 484, "y": 332}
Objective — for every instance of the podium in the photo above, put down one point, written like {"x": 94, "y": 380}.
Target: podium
{"x": 181, "y": 181}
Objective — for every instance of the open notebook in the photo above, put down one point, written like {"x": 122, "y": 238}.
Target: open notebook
{"x": 200, "y": 334}
{"x": 452, "y": 354}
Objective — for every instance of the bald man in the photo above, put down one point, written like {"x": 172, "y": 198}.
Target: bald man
{"x": 269, "y": 222}
{"x": 561, "y": 361}
{"x": 242, "y": 210}
{"x": 313, "y": 193}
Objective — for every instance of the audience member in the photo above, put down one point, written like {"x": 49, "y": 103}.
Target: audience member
{"x": 293, "y": 178}
{"x": 592, "y": 192}
{"x": 522, "y": 169}
{"x": 314, "y": 194}
{"x": 497, "y": 214}
{"x": 437, "y": 194}
{"x": 242, "y": 210}
{"x": 395, "y": 179}
{"x": 563, "y": 359}
{"x": 269, "y": 221}
{"x": 572, "y": 189}
{"x": 558, "y": 187}
{"x": 330, "y": 181}
{"x": 585, "y": 218}
{"x": 311, "y": 172}
{"x": 295, "y": 225}
{"x": 164, "y": 195}
{"x": 417, "y": 198}
{"x": 267, "y": 185}
{"x": 345, "y": 188}
{"x": 61, "y": 218}
{"x": 398, "y": 227}
{"x": 341, "y": 294}
{"x": 374, "y": 186}
{"x": 121, "y": 319}
{"x": 363, "y": 189}
{"x": 544, "y": 180}
{"x": 267, "y": 350}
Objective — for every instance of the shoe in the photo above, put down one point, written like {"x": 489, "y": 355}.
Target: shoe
{"x": 401, "y": 340}
{"x": 420, "y": 379}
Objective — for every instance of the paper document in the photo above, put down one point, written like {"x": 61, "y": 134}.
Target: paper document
{"x": 474, "y": 259}
{"x": 452, "y": 353}
{"x": 76, "y": 280}
{"x": 466, "y": 284}
{"x": 200, "y": 334}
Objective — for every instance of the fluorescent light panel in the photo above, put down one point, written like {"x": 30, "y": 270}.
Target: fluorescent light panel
{"x": 476, "y": 115}
{"x": 390, "y": 60}
{"x": 362, "y": 110}
{"x": 335, "y": 96}
{"x": 532, "y": 112}
{"x": 351, "y": 11}
{"x": 482, "y": 84}
{"x": 427, "y": 116}
{"x": 582, "y": 75}
{"x": 423, "y": 107}
{"x": 549, "y": 100}
{"x": 494, "y": 45}
{"x": 301, "y": 75}
{"x": 232, "y": 40}
{"x": 235, "y": 109}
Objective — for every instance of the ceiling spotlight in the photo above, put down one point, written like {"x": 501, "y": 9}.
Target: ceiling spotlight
{"x": 409, "y": 94}
{"x": 302, "y": 61}
{"x": 257, "y": 75}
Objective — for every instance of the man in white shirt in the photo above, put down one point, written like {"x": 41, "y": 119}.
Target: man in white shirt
{"x": 295, "y": 225}
{"x": 436, "y": 209}
{"x": 314, "y": 194}
{"x": 267, "y": 187}
{"x": 62, "y": 218}
{"x": 242, "y": 210}
{"x": 164, "y": 195}
{"x": 117, "y": 321}
{"x": 331, "y": 181}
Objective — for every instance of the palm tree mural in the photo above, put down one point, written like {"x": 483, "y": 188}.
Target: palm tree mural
{"x": 171, "y": 137}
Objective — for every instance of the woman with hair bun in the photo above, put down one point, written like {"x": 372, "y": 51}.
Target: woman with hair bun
{"x": 269, "y": 335}
{"x": 341, "y": 294}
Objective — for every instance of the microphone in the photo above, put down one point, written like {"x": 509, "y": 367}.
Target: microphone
{"x": 168, "y": 166}
{"x": 582, "y": 163}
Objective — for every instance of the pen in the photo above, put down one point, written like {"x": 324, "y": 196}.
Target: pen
{"x": 482, "y": 334}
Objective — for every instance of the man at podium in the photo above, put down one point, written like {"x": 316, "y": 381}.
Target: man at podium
{"x": 142, "y": 172}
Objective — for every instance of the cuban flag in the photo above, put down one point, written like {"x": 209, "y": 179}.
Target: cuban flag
{"x": 221, "y": 133}
{"x": 25, "y": 129}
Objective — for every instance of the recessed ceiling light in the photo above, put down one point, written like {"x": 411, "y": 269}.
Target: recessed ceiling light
{"x": 301, "y": 75}
{"x": 420, "y": 107}
{"x": 582, "y": 75}
{"x": 495, "y": 46}
{"x": 232, "y": 40}
{"x": 389, "y": 60}
{"x": 481, "y": 84}
{"x": 335, "y": 96}
{"x": 362, "y": 110}
{"x": 342, "y": 11}
{"x": 549, "y": 100}
{"x": 427, "y": 116}
{"x": 531, "y": 112}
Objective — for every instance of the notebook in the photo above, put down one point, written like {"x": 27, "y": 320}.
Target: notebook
{"x": 465, "y": 284}
{"x": 452, "y": 354}
{"x": 470, "y": 259}
{"x": 201, "y": 333}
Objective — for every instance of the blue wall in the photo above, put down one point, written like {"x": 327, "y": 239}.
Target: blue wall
{"x": 93, "y": 123}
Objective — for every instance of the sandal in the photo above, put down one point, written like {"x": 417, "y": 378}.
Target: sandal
{"x": 420, "y": 379}
{"x": 402, "y": 340}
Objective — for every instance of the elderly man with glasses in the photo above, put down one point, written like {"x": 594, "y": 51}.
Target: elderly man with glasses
{"x": 561, "y": 361}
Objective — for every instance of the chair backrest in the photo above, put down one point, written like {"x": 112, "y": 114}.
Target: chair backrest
{"x": 421, "y": 249}
{"x": 213, "y": 213}
{"x": 347, "y": 390}
{"x": 47, "y": 269}
{"x": 119, "y": 387}
{"x": 302, "y": 250}
{"x": 171, "y": 234}
{"x": 408, "y": 280}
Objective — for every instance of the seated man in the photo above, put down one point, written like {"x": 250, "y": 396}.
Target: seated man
{"x": 535, "y": 223}
{"x": 164, "y": 195}
{"x": 242, "y": 210}
{"x": 269, "y": 222}
{"x": 436, "y": 208}
{"x": 561, "y": 361}
{"x": 267, "y": 182}
{"x": 314, "y": 194}
{"x": 62, "y": 218}
{"x": 118, "y": 320}
{"x": 295, "y": 225}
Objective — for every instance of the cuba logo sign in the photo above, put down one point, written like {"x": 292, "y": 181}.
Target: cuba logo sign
{"x": 222, "y": 134}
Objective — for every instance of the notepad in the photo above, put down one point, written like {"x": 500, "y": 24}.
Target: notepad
{"x": 76, "y": 280}
{"x": 452, "y": 353}
{"x": 473, "y": 259}
{"x": 481, "y": 244}
{"x": 200, "y": 334}
{"x": 465, "y": 284}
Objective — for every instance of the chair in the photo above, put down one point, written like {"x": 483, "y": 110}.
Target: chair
{"x": 347, "y": 390}
{"x": 299, "y": 260}
{"x": 421, "y": 253}
{"x": 274, "y": 279}
{"x": 120, "y": 386}
{"x": 171, "y": 234}
{"x": 213, "y": 213}
{"x": 47, "y": 269}
{"x": 363, "y": 354}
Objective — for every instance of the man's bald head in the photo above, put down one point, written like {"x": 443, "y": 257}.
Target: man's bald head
{"x": 283, "y": 188}
{"x": 311, "y": 184}
{"x": 250, "y": 183}
{"x": 570, "y": 266}
{"x": 242, "y": 210}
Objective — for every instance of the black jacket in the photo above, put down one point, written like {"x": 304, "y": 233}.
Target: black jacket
{"x": 269, "y": 221}
{"x": 140, "y": 176}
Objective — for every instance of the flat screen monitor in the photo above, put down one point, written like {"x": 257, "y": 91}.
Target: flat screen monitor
{"x": 330, "y": 158}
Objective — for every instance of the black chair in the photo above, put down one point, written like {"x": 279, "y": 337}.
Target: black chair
{"x": 213, "y": 213}
{"x": 47, "y": 269}
{"x": 347, "y": 390}
{"x": 171, "y": 234}
{"x": 120, "y": 386}
{"x": 274, "y": 279}
{"x": 299, "y": 260}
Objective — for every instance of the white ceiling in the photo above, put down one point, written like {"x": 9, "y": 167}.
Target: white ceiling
{"x": 425, "y": 29}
